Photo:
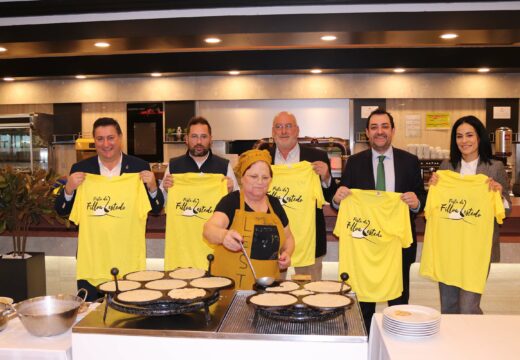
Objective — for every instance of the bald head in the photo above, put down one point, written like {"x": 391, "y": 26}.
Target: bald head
{"x": 285, "y": 131}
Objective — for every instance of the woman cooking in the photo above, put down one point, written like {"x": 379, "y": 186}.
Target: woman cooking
{"x": 470, "y": 154}
{"x": 252, "y": 217}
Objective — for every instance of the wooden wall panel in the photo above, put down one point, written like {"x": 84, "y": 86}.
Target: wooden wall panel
{"x": 26, "y": 108}
{"x": 457, "y": 108}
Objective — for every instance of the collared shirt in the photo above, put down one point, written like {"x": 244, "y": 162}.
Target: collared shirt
{"x": 292, "y": 158}
{"x": 388, "y": 162}
{"x": 116, "y": 171}
{"x": 469, "y": 168}
{"x": 230, "y": 174}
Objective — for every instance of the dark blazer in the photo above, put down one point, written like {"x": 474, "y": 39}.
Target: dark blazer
{"x": 311, "y": 155}
{"x": 129, "y": 164}
{"x": 359, "y": 174}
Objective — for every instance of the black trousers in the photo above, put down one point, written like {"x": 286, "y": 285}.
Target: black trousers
{"x": 369, "y": 308}
{"x": 93, "y": 294}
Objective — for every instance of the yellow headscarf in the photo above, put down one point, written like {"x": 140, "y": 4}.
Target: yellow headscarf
{"x": 249, "y": 157}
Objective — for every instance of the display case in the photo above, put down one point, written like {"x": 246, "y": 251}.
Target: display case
{"x": 25, "y": 141}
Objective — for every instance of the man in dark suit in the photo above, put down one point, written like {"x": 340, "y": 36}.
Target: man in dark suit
{"x": 110, "y": 161}
{"x": 401, "y": 173}
{"x": 287, "y": 151}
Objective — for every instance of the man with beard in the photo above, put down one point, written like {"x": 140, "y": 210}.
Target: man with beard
{"x": 383, "y": 167}
{"x": 199, "y": 157}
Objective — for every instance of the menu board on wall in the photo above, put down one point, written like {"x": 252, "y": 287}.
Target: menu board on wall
{"x": 437, "y": 121}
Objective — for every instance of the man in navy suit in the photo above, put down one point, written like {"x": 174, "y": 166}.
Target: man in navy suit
{"x": 402, "y": 174}
{"x": 287, "y": 151}
{"x": 110, "y": 161}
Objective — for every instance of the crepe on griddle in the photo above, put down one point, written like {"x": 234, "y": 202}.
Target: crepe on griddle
{"x": 186, "y": 293}
{"x": 165, "y": 284}
{"x": 325, "y": 286}
{"x": 302, "y": 292}
{"x": 187, "y": 273}
{"x": 285, "y": 286}
{"x": 211, "y": 282}
{"x": 273, "y": 299}
{"x": 141, "y": 295}
{"x": 124, "y": 285}
{"x": 327, "y": 300}
{"x": 145, "y": 275}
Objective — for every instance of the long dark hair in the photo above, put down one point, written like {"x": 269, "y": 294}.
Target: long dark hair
{"x": 484, "y": 146}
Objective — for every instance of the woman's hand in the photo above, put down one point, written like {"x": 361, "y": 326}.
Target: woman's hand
{"x": 284, "y": 260}
{"x": 232, "y": 240}
{"x": 434, "y": 179}
{"x": 494, "y": 185}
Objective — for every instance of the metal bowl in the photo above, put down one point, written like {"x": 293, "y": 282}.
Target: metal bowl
{"x": 49, "y": 315}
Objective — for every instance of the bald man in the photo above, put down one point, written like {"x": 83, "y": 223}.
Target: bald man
{"x": 285, "y": 133}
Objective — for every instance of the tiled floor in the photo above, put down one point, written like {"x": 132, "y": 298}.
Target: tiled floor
{"x": 502, "y": 295}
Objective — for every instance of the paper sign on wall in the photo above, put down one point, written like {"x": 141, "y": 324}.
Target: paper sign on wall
{"x": 367, "y": 110}
{"x": 502, "y": 112}
{"x": 437, "y": 121}
{"x": 412, "y": 125}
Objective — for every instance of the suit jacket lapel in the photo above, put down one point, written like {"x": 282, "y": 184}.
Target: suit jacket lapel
{"x": 397, "y": 171}
{"x": 368, "y": 170}
{"x": 124, "y": 165}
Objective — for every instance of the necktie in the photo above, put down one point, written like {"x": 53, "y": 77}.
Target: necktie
{"x": 380, "y": 178}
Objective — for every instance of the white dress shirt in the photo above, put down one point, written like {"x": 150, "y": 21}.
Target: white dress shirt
{"x": 388, "y": 163}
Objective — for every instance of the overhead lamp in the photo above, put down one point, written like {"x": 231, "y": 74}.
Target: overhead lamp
{"x": 102, "y": 44}
{"x": 156, "y": 74}
{"x": 2, "y": 49}
{"x": 483, "y": 70}
{"x": 328, "y": 37}
{"x": 449, "y": 36}
{"x": 212, "y": 40}
{"x": 81, "y": 77}
{"x": 316, "y": 71}
{"x": 8, "y": 79}
{"x": 399, "y": 70}
{"x": 234, "y": 72}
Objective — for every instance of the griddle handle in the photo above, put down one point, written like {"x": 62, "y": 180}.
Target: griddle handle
{"x": 114, "y": 273}
{"x": 210, "y": 258}
{"x": 344, "y": 276}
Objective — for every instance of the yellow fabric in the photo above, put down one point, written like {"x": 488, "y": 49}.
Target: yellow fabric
{"x": 298, "y": 188}
{"x": 457, "y": 249}
{"x": 191, "y": 202}
{"x": 234, "y": 264}
{"x": 373, "y": 227}
{"x": 249, "y": 157}
{"x": 115, "y": 238}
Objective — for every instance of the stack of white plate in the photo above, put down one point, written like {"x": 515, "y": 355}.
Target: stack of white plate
{"x": 411, "y": 320}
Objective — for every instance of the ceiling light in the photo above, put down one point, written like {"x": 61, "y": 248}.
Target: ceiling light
{"x": 399, "y": 70}
{"x": 212, "y": 40}
{"x": 316, "y": 71}
{"x": 8, "y": 79}
{"x": 2, "y": 49}
{"x": 156, "y": 74}
{"x": 449, "y": 36}
{"x": 328, "y": 38}
{"x": 234, "y": 72}
{"x": 102, "y": 44}
{"x": 81, "y": 77}
{"x": 483, "y": 70}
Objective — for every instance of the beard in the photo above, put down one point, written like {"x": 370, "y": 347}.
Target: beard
{"x": 198, "y": 151}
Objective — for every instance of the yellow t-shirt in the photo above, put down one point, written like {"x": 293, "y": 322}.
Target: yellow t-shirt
{"x": 298, "y": 188}
{"x": 373, "y": 227}
{"x": 191, "y": 202}
{"x": 460, "y": 212}
{"x": 111, "y": 214}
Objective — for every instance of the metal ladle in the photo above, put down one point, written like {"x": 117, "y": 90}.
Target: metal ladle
{"x": 263, "y": 281}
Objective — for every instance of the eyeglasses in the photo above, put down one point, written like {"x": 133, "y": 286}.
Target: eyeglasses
{"x": 286, "y": 126}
